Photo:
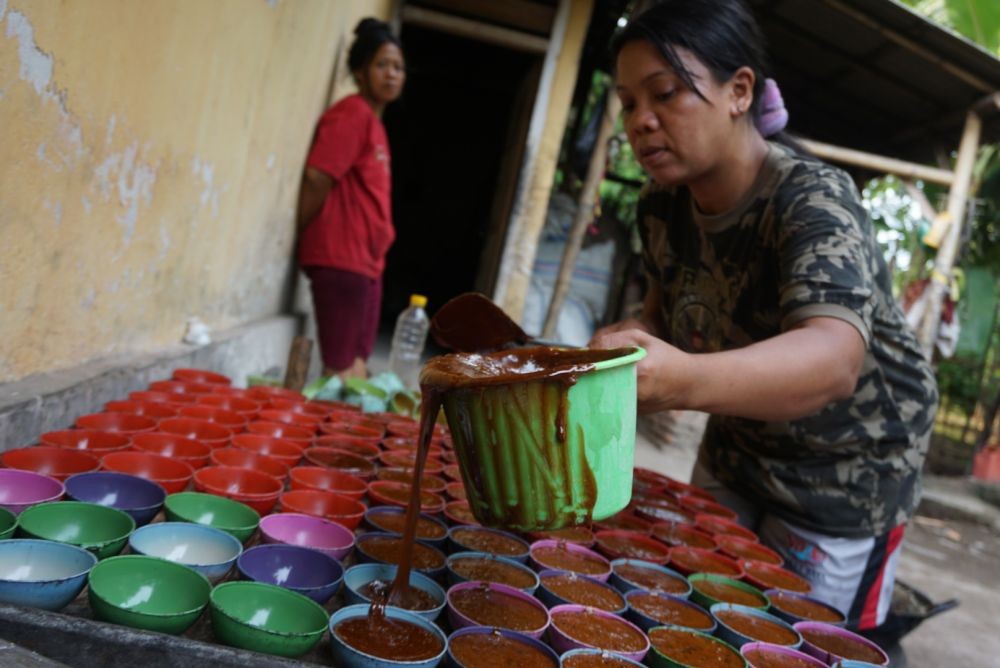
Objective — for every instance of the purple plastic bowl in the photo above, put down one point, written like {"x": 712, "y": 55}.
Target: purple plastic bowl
{"x": 570, "y": 547}
{"x": 23, "y": 489}
{"x": 513, "y": 635}
{"x": 460, "y": 621}
{"x": 562, "y": 643}
{"x": 795, "y": 619}
{"x": 828, "y": 657}
{"x": 307, "y": 531}
{"x": 777, "y": 650}
{"x": 138, "y": 497}
{"x": 303, "y": 570}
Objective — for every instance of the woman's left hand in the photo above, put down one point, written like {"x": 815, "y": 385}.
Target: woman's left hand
{"x": 663, "y": 375}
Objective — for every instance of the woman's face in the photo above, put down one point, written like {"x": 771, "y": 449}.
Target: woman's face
{"x": 385, "y": 74}
{"x": 678, "y": 137}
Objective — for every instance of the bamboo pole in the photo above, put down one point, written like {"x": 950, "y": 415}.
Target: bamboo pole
{"x": 476, "y": 30}
{"x": 584, "y": 211}
{"x": 879, "y": 163}
{"x": 958, "y": 197}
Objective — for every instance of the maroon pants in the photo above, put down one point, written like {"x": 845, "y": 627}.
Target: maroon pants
{"x": 347, "y": 308}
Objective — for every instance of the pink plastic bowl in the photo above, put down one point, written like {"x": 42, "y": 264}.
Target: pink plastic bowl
{"x": 23, "y": 489}
{"x": 307, "y": 531}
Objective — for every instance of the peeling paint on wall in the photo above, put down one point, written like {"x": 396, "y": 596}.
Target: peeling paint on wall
{"x": 133, "y": 182}
{"x": 36, "y": 65}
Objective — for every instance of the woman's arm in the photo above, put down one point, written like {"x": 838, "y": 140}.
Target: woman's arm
{"x": 312, "y": 193}
{"x": 786, "y": 377}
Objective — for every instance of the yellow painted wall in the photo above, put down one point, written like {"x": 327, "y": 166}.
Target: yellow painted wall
{"x": 150, "y": 154}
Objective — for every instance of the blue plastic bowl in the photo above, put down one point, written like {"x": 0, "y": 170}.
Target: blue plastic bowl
{"x": 42, "y": 574}
{"x": 645, "y": 622}
{"x": 372, "y": 519}
{"x": 454, "y": 578}
{"x": 457, "y": 546}
{"x": 597, "y": 652}
{"x": 552, "y": 599}
{"x": 358, "y": 576}
{"x": 303, "y": 570}
{"x": 345, "y": 655}
{"x": 506, "y": 633}
{"x": 737, "y": 639}
{"x": 138, "y": 497}
{"x": 625, "y": 586}
{"x": 211, "y": 552}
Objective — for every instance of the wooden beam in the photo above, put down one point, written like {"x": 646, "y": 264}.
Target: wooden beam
{"x": 521, "y": 14}
{"x": 476, "y": 30}
{"x": 879, "y": 163}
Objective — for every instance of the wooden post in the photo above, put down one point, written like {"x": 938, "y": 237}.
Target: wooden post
{"x": 298, "y": 363}
{"x": 958, "y": 197}
{"x": 878, "y": 163}
{"x": 584, "y": 212}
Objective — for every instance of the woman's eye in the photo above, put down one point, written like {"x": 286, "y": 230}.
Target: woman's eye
{"x": 663, "y": 97}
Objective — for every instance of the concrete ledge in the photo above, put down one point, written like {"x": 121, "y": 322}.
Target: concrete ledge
{"x": 947, "y": 498}
{"x": 45, "y": 402}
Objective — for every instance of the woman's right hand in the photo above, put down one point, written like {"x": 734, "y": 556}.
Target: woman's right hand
{"x": 630, "y": 323}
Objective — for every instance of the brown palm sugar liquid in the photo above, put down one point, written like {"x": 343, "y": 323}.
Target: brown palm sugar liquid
{"x": 488, "y": 607}
{"x": 694, "y": 650}
{"x": 632, "y": 548}
{"x": 416, "y": 599}
{"x": 578, "y": 535}
{"x": 777, "y": 578}
{"x": 671, "y": 611}
{"x": 680, "y": 534}
{"x": 757, "y": 628}
{"x": 391, "y": 551}
{"x": 650, "y": 579}
{"x": 582, "y": 591}
{"x": 560, "y": 558}
{"x": 761, "y": 659}
{"x": 491, "y": 570}
{"x": 806, "y": 609}
{"x": 838, "y": 645}
{"x": 703, "y": 562}
{"x": 727, "y": 593}
{"x": 478, "y": 540}
{"x": 603, "y": 632}
{"x": 603, "y": 660}
{"x": 396, "y": 522}
{"x": 493, "y": 650}
{"x": 387, "y": 638}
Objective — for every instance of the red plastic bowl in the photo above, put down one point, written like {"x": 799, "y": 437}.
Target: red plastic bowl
{"x": 124, "y": 423}
{"x": 343, "y": 510}
{"x": 716, "y": 525}
{"x": 768, "y": 576}
{"x": 623, "y": 520}
{"x": 249, "y": 460}
{"x": 358, "y": 446}
{"x": 631, "y": 545}
{"x": 697, "y": 504}
{"x": 96, "y": 442}
{"x": 266, "y": 392}
{"x": 428, "y": 483}
{"x": 281, "y": 430}
{"x": 200, "y": 376}
{"x": 456, "y": 491}
{"x": 170, "y": 474}
{"x": 367, "y": 433}
{"x": 179, "y": 387}
{"x": 408, "y": 460}
{"x": 188, "y": 450}
{"x": 458, "y": 512}
{"x": 407, "y": 444}
{"x": 162, "y": 397}
{"x": 287, "y": 452}
{"x": 219, "y": 416}
{"x": 157, "y": 411}
{"x": 738, "y": 548}
{"x": 58, "y": 463}
{"x": 341, "y": 460}
{"x": 392, "y": 493}
{"x": 290, "y": 417}
{"x": 676, "y": 534}
{"x": 257, "y": 490}
{"x": 246, "y": 407}
{"x": 681, "y": 488}
{"x": 453, "y": 472}
{"x": 689, "y": 560}
{"x": 304, "y": 407}
{"x": 327, "y": 480}
{"x": 213, "y": 435}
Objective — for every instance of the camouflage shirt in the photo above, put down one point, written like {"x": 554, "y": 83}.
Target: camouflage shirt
{"x": 798, "y": 245}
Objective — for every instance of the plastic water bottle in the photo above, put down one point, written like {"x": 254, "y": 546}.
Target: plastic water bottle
{"x": 408, "y": 341}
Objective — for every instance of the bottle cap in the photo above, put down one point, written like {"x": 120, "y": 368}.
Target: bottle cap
{"x": 418, "y": 300}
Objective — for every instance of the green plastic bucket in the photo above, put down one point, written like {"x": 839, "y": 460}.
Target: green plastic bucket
{"x": 537, "y": 455}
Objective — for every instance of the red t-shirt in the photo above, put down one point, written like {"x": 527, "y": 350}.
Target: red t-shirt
{"x": 353, "y": 231}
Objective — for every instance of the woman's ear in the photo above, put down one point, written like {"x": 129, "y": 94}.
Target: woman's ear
{"x": 741, "y": 91}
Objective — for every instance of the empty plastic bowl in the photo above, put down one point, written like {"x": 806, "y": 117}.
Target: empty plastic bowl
{"x": 8, "y": 522}
{"x": 219, "y": 416}
{"x": 358, "y": 446}
{"x": 235, "y": 518}
{"x": 245, "y": 459}
{"x": 188, "y": 450}
{"x": 95, "y": 528}
{"x": 138, "y": 497}
{"x": 267, "y": 392}
{"x": 171, "y": 474}
{"x": 41, "y": 573}
{"x": 308, "y": 531}
{"x": 266, "y": 618}
{"x": 327, "y": 480}
{"x": 248, "y": 408}
{"x": 215, "y": 435}
{"x": 341, "y": 460}
{"x": 147, "y": 593}
{"x": 150, "y": 409}
{"x": 340, "y": 509}
{"x": 211, "y": 552}
{"x": 304, "y": 407}
{"x": 23, "y": 489}
{"x": 258, "y": 490}
{"x": 175, "y": 399}
{"x": 301, "y": 569}
{"x": 124, "y": 423}
{"x": 200, "y": 376}
{"x": 96, "y": 442}
{"x": 287, "y": 452}
{"x": 282, "y": 430}
{"x": 59, "y": 463}
{"x": 181, "y": 387}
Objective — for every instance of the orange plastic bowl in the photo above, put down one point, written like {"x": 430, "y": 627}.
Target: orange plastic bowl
{"x": 250, "y": 460}
{"x": 58, "y": 463}
{"x": 258, "y": 490}
{"x": 327, "y": 480}
{"x": 343, "y": 510}
{"x": 170, "y": 474}
{"x": 174, "y": 446}
{"x": 219, "y": 416}
{"x": 213, "y": 435}
{"x": 124, "y": 423}
{"x": 282, "y": 430}
{"x": 287, "y": 452}
{"x": 157, "y": 411}
{"x": 200, "y": 376}
{"x": 96, "y": 442}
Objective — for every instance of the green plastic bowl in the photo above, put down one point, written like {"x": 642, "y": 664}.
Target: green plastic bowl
{"x": 147, "y": 593}
{"x": 8, "y": 522}
{"x": 233, "y": 517}
{"x": 706, "y": 601}
{"x": 519, "y": 474}
{"x": 266, "y": 618}
{"x": 98, "y": 529}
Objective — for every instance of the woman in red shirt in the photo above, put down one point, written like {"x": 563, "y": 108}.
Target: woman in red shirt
{"x": 345, "y": 209}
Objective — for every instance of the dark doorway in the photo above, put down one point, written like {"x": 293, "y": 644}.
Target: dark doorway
{"x": 462, "y": 110}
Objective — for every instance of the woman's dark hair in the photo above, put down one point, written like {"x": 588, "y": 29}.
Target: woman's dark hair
{"x": 369, "y": 36}
{"x": 722, "y": 34}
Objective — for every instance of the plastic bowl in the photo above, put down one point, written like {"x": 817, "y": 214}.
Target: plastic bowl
{"x": 525, "y": 419}
{"x": 95, "y": 528}
{"x": 200, "y": 376}
{"x": 548, "y": 658}
{"x": 562, "y": 642}
{"x": 211, "y": 552}
{"x": 96, "y": 442}
{"x": 778, "y": 596}
{"x": 551, "y": 599}
{"x": 735, "y": 547}
{"x": 341, "y": 460}
{"x": 567, "y": 658}
{"x": 147, "y": 593}
{"x": 737, "y": 638}
{"x": 171, "y": 474}
{"x": 349, "y": 657}
{"x": 624, "y": 521}
{"x": 267, "y": 392}
{"x": 140, "y": 498}
{"x": 257, "y": 490}
{"x": 459, "y": 620}
{"x": 219, "y": 416}
{"x": 248, "y": 408}
{"x": 308, "y": 531}
{"x": 398, "y": 494}
{"x": 304, "y": 407}
{"x": 212, "y": 434}
{"x": 8, "y": 522}
{"x": 290, "y": 432}
{"x": 392, "y": 519}
{"x": 768, "y": 576}
{"x": 359, "y": 446}
{"x": 41, "y": 573}
{"x": 667, "y": 639}
{"x": 22, "y": 489}
{"x": 428, "y": 483}
{"x": 716, "y": 525}
{"x": 690, "y": 560}
{"x": 58, "y": 463}
{"x": 327, "y": 480}
{"x": 384, "y": 548}
{"x": 454, "y": 577}
{"x": 301, "y": 569}
{"x": 303, "y": 420}
{"x": 235, "y": 518}
{"x": 408, "y": 460}
{"x": 746, "y": 592}
{"x": 188, "y": 450}
{"x": 458, "y": 513}
{"x": 491, "y": 541}
{"x": 698, "y": 504}
{"x": 149, "y": 409}
{"x": 287, "y": 452}
{"x": 631, "y": 545}
{"x": 358, "y": 576}
{"x": 774, "y": 654}
{"x": 583, "y": 561}
{"x": 676, "y": 534}
{"x": 370, "y": 432}
{"x": 181, "y": 387}
{"x": 340, "y": 509}
{"x": 806, "y": 628}
{"x": 122, "y": 423}
{"x": 625, "y": 585}
{"x": 266, "y": 618}
{"x": 244, "y": 459}
{"x": 175, "y": 399}
{"x": 701, "y": 621}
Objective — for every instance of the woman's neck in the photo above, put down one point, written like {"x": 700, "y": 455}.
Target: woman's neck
{"x": 720, "y": 189}
{"x": 377, "y": 107}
